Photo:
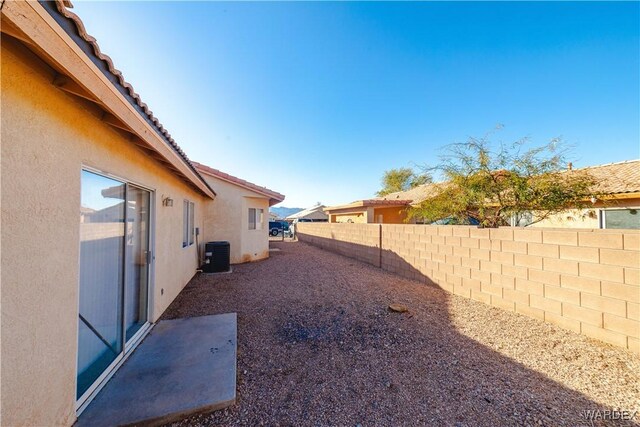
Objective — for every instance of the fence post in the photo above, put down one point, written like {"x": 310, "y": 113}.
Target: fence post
{"x": 380, "y": 245}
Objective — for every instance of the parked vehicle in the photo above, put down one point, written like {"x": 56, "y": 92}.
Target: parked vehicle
{"x": 276, "y": 227}
{"x": 454, "y": 221}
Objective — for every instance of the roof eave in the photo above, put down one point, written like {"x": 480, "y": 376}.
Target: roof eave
{"x": 79, "y": 75}
{"x": 273, "y": 196}
{"x": 369, "y": 204}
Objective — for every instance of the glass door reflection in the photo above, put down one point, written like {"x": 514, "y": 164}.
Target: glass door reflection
{"x": 114, "y": 275}
{"x": 102, "y": 216}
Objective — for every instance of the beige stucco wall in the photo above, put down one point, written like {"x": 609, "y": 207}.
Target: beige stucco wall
{"x": 394, "y": 215}
{"x": 353, "y": 217}
{"x": 356, "y": 215}
{"x": 227, "y": 218}
{"x": 255, "y": 243}
{"x": 585, "y": 218}
{"x": 574, "y": 218}
{"x": 47, "y": 136}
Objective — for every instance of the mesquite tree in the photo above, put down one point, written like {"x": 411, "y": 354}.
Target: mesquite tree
{"x": 401, "y": 179}
{"x": 494, "y": 184}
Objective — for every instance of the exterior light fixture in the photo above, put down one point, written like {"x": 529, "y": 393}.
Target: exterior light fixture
{"x": 167, "y": 201}
{"x": 593, "y": 200}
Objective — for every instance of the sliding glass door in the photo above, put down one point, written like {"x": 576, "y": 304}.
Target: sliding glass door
{"x": 114, "y": 273}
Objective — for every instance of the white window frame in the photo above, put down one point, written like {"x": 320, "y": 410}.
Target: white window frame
{"x": 251, "y": 218}
{"x": 188, "y": 223}
{"x": 602, "y": 213}
{"x": 192, "y": 223}
{"x": 259, "y": 219}
{"x": 255, "y": 218}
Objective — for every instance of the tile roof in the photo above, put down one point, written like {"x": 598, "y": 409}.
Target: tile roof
{"x": 62, "y": 7}
{"x": 207, "y": 170}
{"x": 616, "y": 178}
{"x": 414, "y": 195}
{"x": 303, "y": 213}
{"x": 371, "y": 203}
{"x": 613, "y": 179}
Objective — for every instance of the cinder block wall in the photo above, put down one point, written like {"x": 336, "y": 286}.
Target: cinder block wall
{"x": 359, "y": 241}
{"x": 585, "y": 280}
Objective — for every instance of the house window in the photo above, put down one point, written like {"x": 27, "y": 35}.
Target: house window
{"x": 256, "y": 218}
{"x": 252, "y": 219}
{"x": 620, "y": 218}
{"x": 188, "y": 223}
{"x": 192, "y": 222}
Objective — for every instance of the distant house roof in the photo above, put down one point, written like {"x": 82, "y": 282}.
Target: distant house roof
{"x": 621, "y": 178}
{"x": 415, "y": 195}
{"x": 380, "y": 202}
{"x": 615, "y": 179}
{"x": 317, "y": 212}
{"x": 273, "y": 196}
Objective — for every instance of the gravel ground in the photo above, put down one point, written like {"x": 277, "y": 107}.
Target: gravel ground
{"x": 317, "y": 345}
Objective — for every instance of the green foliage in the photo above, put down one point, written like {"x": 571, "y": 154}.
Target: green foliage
{"x": 401, "y": 179}
{"x": 494, "y": 186}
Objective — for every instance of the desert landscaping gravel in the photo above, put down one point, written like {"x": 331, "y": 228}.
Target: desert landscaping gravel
{"x": 318, "y": 345}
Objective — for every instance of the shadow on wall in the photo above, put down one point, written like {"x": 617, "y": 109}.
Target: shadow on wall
{"x": 465, "y": 376}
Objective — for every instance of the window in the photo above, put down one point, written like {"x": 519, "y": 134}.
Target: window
{"x": 259, "y": 218}
{"x": 252, "y": 219}
{"x": 188, "y": 223}
{"x": 620, "y": 218}
{"x": 192, "y": 222}
{"x": 256, "y": 218}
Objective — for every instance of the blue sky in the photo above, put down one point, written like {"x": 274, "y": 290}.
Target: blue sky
{"x": 317, "y": 100}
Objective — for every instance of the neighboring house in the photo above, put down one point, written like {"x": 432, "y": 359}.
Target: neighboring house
{"x": 101, "y": 212}
{"x": 370, "y": 211}
{"x": 618, "y": 203}
{"x": 617, "y": 207}
{"x": 239, "y": 214}
{"x": 389, "y": 209}
{"x": 312, "y": 214}
{"x": 273, "y": 217}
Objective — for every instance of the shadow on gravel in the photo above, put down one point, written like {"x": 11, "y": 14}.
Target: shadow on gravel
{"x": 318, "y": 346}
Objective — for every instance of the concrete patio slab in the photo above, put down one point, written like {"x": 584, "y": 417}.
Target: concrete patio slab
{"x": 183, "y": 366}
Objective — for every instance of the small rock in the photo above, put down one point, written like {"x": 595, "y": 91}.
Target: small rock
{"x": 398, "y": 308}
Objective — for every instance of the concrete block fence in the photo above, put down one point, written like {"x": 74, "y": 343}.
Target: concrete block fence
{"x": 585, "y": 280}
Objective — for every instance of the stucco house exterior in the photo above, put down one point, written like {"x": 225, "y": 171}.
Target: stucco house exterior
{"x": 369, "y": 211}
{"x": 239, "y": 215}
{"x": 389, "y": 209}
{"x": 101, "y": 212}
{"x": 616, "y": 206}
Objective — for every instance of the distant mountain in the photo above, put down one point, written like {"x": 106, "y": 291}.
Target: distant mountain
{"x": 283, "y": 212}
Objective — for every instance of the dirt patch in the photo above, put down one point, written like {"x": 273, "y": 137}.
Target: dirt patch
{"x": 318, "y": 345}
